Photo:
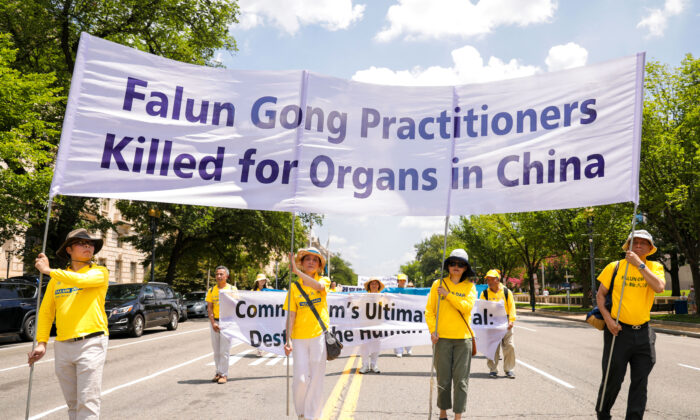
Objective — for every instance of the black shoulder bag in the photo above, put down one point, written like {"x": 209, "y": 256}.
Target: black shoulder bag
{"x": 333, "y": 346}
{"x": 594, "y": 317}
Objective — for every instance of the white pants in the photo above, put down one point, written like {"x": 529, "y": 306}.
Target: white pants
{"x": 370, "y": 350}
{"x": 221, "y": 346}
{"x": 309, "y": 371}
{"x": 78, "y": 366}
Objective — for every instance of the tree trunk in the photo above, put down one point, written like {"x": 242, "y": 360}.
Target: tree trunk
{"x": 675, "y": 279}
{"x": 531, "y": 281}
{"x": 174, "y": 257}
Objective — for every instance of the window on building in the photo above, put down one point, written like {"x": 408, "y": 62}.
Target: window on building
{"x": 104, "y": 205}
{"x": 118, "y": 271}
{"x": 120, "y": 241}
{"x": 132, "y": 270}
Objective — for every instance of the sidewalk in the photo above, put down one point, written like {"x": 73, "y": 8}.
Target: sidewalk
{"x": 666, "y": 327}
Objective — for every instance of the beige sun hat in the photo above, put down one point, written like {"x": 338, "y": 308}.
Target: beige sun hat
{"x": 371, "y": 279}
{"x": 310, "y": 251}
{"x": 638, "y": 234}
{"x": 75, "y": 236}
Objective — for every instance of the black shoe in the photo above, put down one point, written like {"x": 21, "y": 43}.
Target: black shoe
{"x": 493, "y": 375}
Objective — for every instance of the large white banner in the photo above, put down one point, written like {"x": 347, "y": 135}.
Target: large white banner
{"x": 393, "y": 320}
{"x": 143, "y": 127}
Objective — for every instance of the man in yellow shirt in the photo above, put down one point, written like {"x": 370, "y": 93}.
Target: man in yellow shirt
{"x": 219, "y": 342}
{"x": 401, "y": 281}
{"x": 75, "y": 297}
{"x": 496, "y": 292}
{"x": 635, "y": 340}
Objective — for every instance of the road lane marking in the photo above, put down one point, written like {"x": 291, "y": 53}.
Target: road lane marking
{"x": 275, "y": 360}
{"x": 525, "y": 328}
{"x": 109, "y": 348}
{"x": 235, "y": 358}
{"x": 688, "y": 366}
{"x": 27, "y": 345}
{"x": 261, "y": 359}
{"x": 116, "y": 388}
{"x": 154, "y": 338}
{"x": 334, "y": 398}
{"x": 350, "y": 400}
{"x": 546, "y": 375}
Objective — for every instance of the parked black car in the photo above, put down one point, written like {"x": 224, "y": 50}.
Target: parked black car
{"x": 196, "y": 306}
{"x": 133, "y": 307}
{"x": 18, "y": 305}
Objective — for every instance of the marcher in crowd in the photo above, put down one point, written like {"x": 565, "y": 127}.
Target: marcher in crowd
{"x": 497, "y": 292}
{"x": 635, "y": 338}
{"x": 306, "y": 339}
{"x": 453, "y": 338}
{"x": 401, "y": 281}
{"x": 410, "y": 284}
{"x": 219, "y": 343}
{"x": 75, "y": 298}
{"x": 692, "y": 302}
{"x": 333, "y": 287}
{"x": 370, "y": 350}
{"x": 260, "y": 282}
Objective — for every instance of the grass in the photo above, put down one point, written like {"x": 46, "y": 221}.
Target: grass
{"x": 693, "y": 319}
{"x": 562, "y": 308}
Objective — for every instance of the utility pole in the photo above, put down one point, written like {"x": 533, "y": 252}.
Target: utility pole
{"x": 591, "y": 251}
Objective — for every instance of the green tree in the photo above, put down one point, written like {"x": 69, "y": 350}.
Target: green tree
{"x": 46, "y": 34}
{"x": 242, "y": 240}
{"x": 341, "y": 271}
{"x": 487, "y": 244}
{"x": 429, "y": 257}
{"x": 669, "y": 178}
{"x": 412, "y": 270}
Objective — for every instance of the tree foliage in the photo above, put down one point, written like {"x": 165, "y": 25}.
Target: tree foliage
{"x": 341, "y": 271}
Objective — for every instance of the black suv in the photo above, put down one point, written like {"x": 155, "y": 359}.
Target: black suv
{"x": 133, "y": 307}
{"x": 18, "y": 305}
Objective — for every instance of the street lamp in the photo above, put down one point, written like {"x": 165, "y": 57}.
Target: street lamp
{"x": 154, "y": 214}
{"x": 589, "y": 212}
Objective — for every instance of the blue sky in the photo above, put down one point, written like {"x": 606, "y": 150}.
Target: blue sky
{"x": 446, "y": 42}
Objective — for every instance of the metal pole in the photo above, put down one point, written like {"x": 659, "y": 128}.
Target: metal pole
{"x": 289, "y": 302}
{"x": 591, "y": 256}
{"x": 9, "y": 255}
{"x": 38, "y": 305}
{"x": 153, "y": 247}
{"x": 277, "y": 272}
{"x": 619, "y": 308}
{"x": 543, "y": 286}
{"x": 437, "y": 317}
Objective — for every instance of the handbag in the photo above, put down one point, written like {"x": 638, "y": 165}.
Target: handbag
{"x": 468, "y": 327}
{"x": 333, "y": 346}
{"x": 594, "y": 317}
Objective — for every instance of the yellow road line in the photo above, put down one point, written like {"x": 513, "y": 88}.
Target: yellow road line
{"x": 350, "y": 403}
{"x": 334, "y": 398}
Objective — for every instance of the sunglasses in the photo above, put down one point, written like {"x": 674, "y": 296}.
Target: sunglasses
{"x": 459, "y": 264}
{"x": 83, "y": 243}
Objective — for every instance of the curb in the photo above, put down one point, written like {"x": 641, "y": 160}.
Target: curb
{"x": 654, "y": 324}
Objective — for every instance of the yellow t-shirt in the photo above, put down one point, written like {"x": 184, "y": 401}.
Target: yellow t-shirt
{"x": 638, "y": 298}
{"x": 454, "y": 309}
{"x": 500, "y": 296}
{"x": 213, "y": 297}
{"x": 305, "y": 324}
{"x": 76, "y": 299}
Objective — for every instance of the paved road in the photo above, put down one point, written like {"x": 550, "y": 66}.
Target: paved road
{"x": 165, "y": 375}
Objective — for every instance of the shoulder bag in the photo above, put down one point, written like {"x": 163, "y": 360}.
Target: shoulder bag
{"x": 594, "y": 317}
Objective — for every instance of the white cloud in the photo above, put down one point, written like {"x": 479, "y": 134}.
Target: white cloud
{"x": 657, "y": 19}
{"x": 289, "y": 15}
{"x": 336, "y": 240}
{"x": 566, "y": 56}
{"x": 468, "y": 67}
{"x": 421, "y": 19}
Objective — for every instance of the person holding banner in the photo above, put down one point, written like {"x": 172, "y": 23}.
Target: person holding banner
{"x": 635, "y": 342}
{"x": 75, "y": 298}
{"x": 401, "y": 280}
{"x": 219, "y": 342}
{"x": 260, "y": 283}
{"x": 370, "y": 350}
{"x": 452, "y": 340}
{"x": 306, "y": 340}
{"x": 496, "y": 292}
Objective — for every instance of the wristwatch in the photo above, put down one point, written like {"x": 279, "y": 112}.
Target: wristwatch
{"x": 642, "y": 266}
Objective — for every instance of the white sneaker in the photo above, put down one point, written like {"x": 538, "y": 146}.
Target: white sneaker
{"x": 375, "y": 369}
{"x": 409, "y": 353}
{"x": 258, "y": 353}
{"x": 364, "y": 369}
{"x": 399, "y": 355}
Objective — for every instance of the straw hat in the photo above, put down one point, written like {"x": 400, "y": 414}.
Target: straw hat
{"x": 310, "y": 251}
{"x": 638, "y": 234}
{"x": 381, "y": 285}
{"x": 75, "y": 236}
{"x": 261, "y": 277}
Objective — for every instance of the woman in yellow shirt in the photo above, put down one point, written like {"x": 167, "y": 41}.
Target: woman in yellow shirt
{"x": 370, "y": 350}
{"x": 306, "y": 339}
{"x": 452, "y": 341}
